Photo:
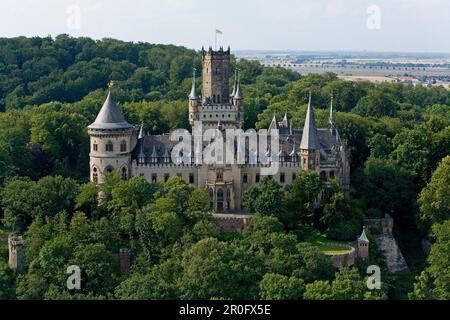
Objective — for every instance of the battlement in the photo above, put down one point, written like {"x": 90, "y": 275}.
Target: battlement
{"x": 219, "y": 52}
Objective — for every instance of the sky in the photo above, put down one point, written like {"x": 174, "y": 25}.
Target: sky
{"x": 306, "y": 25}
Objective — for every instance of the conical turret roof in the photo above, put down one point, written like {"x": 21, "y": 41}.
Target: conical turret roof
{"x": 110, "y": 116}
{"x": 310, "y": 140}
{"x": 193, "y": 95}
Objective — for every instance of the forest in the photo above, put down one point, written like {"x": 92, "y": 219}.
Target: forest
{"x": 51, "y": 89}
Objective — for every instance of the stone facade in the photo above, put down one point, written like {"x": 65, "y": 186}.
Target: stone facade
{"x": 16, "y": 252}
{"x": 117, "y": 145}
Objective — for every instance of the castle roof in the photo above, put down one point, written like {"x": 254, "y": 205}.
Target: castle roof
{"x": 160, "y": 146}
{"x": 110, "y": 116}
{"x": 363, "y": 236}
{"x": 238, "y": 94}
{"x": 193, "y": 95}
{"x": 309, "y": 137}
{"x": 273, "y": 123}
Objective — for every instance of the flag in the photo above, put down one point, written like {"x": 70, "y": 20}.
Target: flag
{"x": 218, "y": 31}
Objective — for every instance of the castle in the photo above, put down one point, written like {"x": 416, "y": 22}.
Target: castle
{"x": 118, "y": 145}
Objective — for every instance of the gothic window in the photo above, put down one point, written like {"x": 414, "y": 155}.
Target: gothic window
{"x": 95, "y": 175}
{"x": 154, "y": 178}
{"x": 109, "y": 147}
{"x": 191, "y": 178}
{"x": 166, "y": 177}
{"x": 282, "y": 178}
{"x": 220, "y": 198}
{"x": 124, "y": 173}
{"x": 219, "y": 175}
{"x": 218, "y": 99}
{"x": 293, "y": 177}
{"x": 323, "y": 176}
{"x": 123, "y": 146}
{"x": 95, "y": 146}
{"x": 214, "y": 98}
{"x": 245, "y": 178}
{"x": 257, "y": 178}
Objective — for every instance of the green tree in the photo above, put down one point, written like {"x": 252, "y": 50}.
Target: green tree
{"x": 279, "y": 287}
{"x": 302, "y": 196}
{"x": 434, "y": 281}
{"x": 434, "y": 200}
{"x": 264, "y": 198}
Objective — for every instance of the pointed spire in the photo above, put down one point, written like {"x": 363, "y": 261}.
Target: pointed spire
{"x": 234, "y": 85}
{"x": 154, "y": 155}
{"x": 141, "y": 153}
{"x": 109, "y": 116}
{"x": 293, "y": 153}
{"x": 363, "y": 237}
{"x": 141, "y": 131}
{"x": 238, "y": 94}
{"x": 274, "y": 123}
{"x": 331, "y": 117}
{"x": 193, "y": 95}
{"x": 166, "y": 155}
{"x": 309, "y": 136}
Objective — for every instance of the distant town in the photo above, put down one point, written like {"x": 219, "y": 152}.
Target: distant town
{"x": 428, "y": 69}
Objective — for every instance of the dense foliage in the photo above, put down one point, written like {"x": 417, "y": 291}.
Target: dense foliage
{"x": 397, "y": 137}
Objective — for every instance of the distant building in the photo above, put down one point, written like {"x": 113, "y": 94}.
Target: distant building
{"x": 118, "y": 145}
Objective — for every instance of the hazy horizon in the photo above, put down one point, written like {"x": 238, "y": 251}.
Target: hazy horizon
{"x": 402, "y": 26}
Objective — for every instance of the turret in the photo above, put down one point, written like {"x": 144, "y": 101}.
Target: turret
{"x": 363, "y": 246}
{"x": 331, "y": 117}
{"x": 310, "y": 146}
{"x": 194, "y": 101}
{"x": 112, "y": 139}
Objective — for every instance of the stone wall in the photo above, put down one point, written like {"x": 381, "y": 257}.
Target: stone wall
{"x": 16, "y": 252}
{"x": 345, "y": 259}
{"x": 232, "y": 223}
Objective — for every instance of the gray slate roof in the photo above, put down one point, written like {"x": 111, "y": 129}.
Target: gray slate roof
{"x": 309, "y": 137}
{"x": 110, "y": 117}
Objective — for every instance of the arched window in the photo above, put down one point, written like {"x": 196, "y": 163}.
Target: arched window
{"x": 109, "y": 147}
{"x": 124, "y": 173}
{"x": 331, "y": 174}
{"x": 95, "y": 175}
{"x": 95, "y": 146}
{"x": 323, "y": 176}
{"x": 219, "y": 175}
{"x": 123, "y": 146}
{"x": 218, "y": 99}
{"x": 109, "y": 169}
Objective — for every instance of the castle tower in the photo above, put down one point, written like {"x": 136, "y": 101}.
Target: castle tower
{"x": 215, "y": 85}
{"x": 194, "y": 101}
{"x": 16, "y": 252}
{"x": 310, "y": 146}
{"x": 216, "y": 105}
{"x": 112, "y": 140}
{"x": 363, "y": 246}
